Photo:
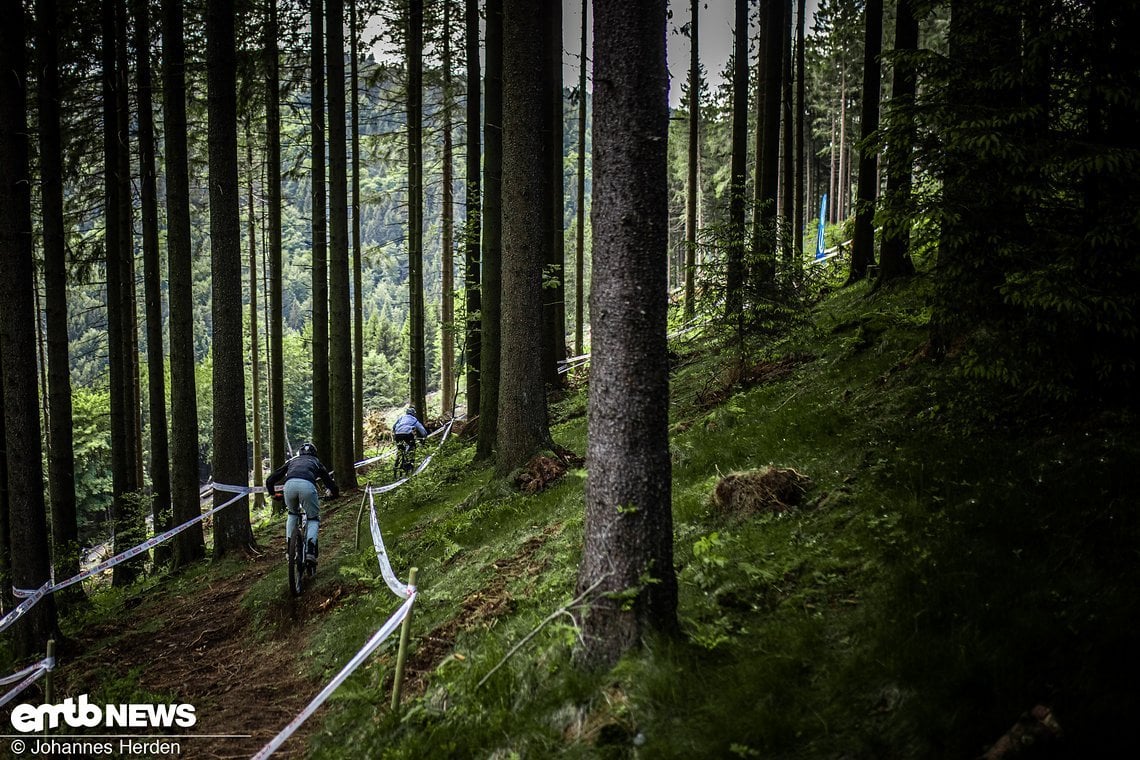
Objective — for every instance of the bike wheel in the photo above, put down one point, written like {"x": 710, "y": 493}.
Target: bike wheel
{"x": 296, "y": 561}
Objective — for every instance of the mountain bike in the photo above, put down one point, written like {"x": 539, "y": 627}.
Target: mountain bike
{"x": 297, "y": 555}
{"x": 405, "y": 457}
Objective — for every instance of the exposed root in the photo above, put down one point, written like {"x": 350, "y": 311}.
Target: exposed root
{"x": 769, "y": 489}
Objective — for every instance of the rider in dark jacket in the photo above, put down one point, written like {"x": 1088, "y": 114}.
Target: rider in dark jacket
{"x": 300, "y": 476}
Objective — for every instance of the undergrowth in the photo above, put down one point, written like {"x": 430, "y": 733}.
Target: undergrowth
{"x": 956, "y": 562}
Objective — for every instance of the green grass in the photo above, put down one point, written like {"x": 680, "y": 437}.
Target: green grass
{"x": 961, "y": 558}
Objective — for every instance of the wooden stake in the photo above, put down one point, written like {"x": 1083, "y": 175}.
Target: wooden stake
{"x": 401, "y": 655}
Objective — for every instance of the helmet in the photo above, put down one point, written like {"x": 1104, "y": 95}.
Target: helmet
{"x": 307, "y": 449}
{"x": 412, "y": 411}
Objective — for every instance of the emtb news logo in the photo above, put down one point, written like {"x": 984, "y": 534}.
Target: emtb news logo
{"x": 80, "y": 713}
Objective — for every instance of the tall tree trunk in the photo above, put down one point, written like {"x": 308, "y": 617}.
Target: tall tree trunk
{"x": 629, "y": 528}
{"x": 863, "y": 249}
{"x": 491, "y": 288}
{"x": 523, "y": 427}
{"x": 340, "y": 295}
{"x": 833, "y": 185}
{"x": 322, "y": 431}
{"x": 692, "y": 182}
{"x": 277, "y": 434}
{"x": 120, "y": 286}
{"x": 554, "y": 307}
{"x": 416, "y": 317}
{"x": 772, "y": 49}
{"x": 152, "y": 288}
{"x": 61, "y": 456}
{"x": 231, "y": 459}
{"x": 787, "y": 163}
{"x": 472, "y": 275}
{"x": 254, "y": 352}
{"x": 800, "y": 149}
{"x": 357, "y": 264}
{"x": 894, "y": 250}
{"x": 736, "y": 270}
{"x": 841, "y": 181}
{"x": 580, "y": 256}
{"x": 189, "y": 544}
{"x": 31, "y": 566}
{"x": 447, "y": 290}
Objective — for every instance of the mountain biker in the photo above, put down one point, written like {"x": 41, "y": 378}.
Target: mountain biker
{"x": 407, "y": 427}
{"x": 300, "y": 475}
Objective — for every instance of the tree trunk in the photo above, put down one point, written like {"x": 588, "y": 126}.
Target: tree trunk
{"x": 841, "y": 179}
{"x": 231, "y": 459}
{"x": 692, "y": 184}
{"x": 735, "y": 273}
{"x": 119, "y": 288}
{"x": 254, "y": 353}
{"x": 322, "y": 430}
{"x": 894, "y": 253}
{"x": 189, "y": 544}
{"x": 416, "y": 316}
{"x": 340, "y": 295}
{"x": 152, "y": 289}
{"x": 357, "y": 273}
{"x": 800, "y": 149}
{"x": 30, "y": 553}
{"x": 474, "y": 204}
{"x": 61, "y": 456}
{"x": 863, "y": 249}
{"x": 628, "y": 552}
{"x": 772, "y": 49}
{"x": 787, "y": 163}
{"x": 554, "y": 309}
{"x": 580, "y": 257}
{"x": 491, "y": 289}
{"x": 277, "y": 432}
{"x": 447, "y": 290}
{"x": 523, "y": 427}
{"x": 832, "y": 182}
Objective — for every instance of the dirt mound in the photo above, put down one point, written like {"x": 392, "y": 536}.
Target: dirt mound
{"x": 540, "y": 473}
{"x": 732, "y": 377}
{"x": 769, "y": 489}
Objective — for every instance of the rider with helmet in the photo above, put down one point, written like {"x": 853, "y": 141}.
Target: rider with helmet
{"x": 300, "y": 475}
{"x": 407, "y": 427}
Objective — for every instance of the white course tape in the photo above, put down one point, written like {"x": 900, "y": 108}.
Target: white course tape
{"x": 399, "y": 589}
{"x": 30, "y": 675}
{"x": 134, "y": 551}
{"x": 376, "y": 640}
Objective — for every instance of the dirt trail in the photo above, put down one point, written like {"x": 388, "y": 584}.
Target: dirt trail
{"x": 203, "y": 652}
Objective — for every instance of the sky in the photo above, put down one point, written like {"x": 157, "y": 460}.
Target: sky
{"x": 715, "y": 39}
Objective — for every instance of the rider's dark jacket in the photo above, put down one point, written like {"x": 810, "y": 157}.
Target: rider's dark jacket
{"x": 305, "y": 467}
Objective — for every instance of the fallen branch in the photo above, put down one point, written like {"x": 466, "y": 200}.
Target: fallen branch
{"x": 563, "y": 610}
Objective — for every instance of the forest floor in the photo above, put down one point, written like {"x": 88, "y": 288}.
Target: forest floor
{"x": 194, "y": 640}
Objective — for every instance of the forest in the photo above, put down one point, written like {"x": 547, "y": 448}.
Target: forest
{"x": 808, "y": 374}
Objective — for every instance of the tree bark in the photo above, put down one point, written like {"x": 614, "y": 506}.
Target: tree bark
{"x": 523, "y": 427}
{"x": 277, "y": 432}
{"x": 800, "y": 148}
{"x": 863, "y": 248}
{"x": 322, "y": 429}
{"x": 416, "y": 316}
{"x": 231, "y": 460}
{"x": 61, "y": 456}
{"x": 447, "y": 290}
{"x": 472, "y": 232}
{"x": 894, "y": 250}
{"x": 340, "y": 295}
{"x": 735, "y": 273}
{"x": 628, "y": 532}
{"x": 491, "y": 289}
{"x": 189, "y": 544}
{"x": 553, "y": 292}
{"x": 580, "y": 256}
{"x": 357, "y": 264}
{"x": 787, "y": 162}
{"x": 692, "y": 183}
{"x": 772, "y": 49}
{"x": 22, "y": 434}
{"x": 254, "y": 351}
{"x": 152, "y": 288}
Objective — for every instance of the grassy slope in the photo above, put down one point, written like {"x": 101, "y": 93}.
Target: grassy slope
{"x": 953, "y": 567}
